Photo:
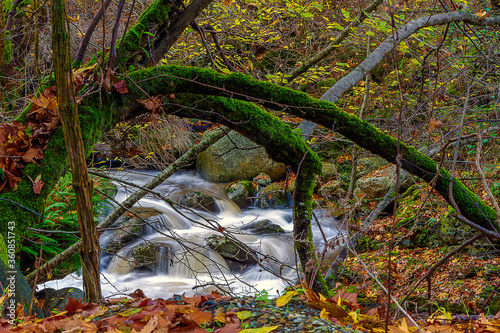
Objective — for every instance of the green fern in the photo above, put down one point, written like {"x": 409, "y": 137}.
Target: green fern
{"x": 60, "y": 215}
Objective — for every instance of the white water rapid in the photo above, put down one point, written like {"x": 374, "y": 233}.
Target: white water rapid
{"x": 185, "y": 263}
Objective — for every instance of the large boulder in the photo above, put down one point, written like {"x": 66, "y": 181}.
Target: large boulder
{"x": 241, "y": 192}
{"x": 56, "y": 300}
{"x": 198, "y": 200}
{"x": 232, "y": 249}
{"x": 235, "y": 157}
{"x": 375, "y": 184}
{"x": 369, "y": 164}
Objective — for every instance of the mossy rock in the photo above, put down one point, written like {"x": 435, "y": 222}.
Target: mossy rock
{"x": 263, "y": 227}
{"x": 329, "y": 172}
{"x": 232, "y": 249}
{"x": 332, "y": 190}
{"x": 273, "y": 196}
{"x": 262, "y": 180}
{"x": 369, "y": 164}
{"x": 198, "y": 200}
{"x": 241, "y": 192}
{"x": 235, "y": 157}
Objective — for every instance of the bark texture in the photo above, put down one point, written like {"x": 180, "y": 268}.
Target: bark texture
{"x": 68, "y": 112}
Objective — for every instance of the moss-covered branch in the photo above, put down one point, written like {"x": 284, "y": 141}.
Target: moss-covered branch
{"x": 176, "y": 79}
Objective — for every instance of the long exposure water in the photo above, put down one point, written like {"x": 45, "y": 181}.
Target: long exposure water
{"x": 185, "y": 264}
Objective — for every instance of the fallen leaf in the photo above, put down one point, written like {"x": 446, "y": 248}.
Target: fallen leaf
{"x": 284, "y": 299}
{"x": 259, "y": 330}
{"x": 37, "y": 186}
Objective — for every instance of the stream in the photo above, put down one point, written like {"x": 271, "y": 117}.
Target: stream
{"x": 185, "y": 264}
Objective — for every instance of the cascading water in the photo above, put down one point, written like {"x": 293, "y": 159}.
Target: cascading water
{"x": 170, "y": 256}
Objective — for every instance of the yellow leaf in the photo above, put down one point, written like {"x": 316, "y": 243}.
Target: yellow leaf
{"x": 259, "y": 330}
{"x": 73, "y": 19}
{"x": 284, "y": 299}
{"x": 244, "y": 314}
{"x": 220, "y": 316}
{"x": 324, "y": 314}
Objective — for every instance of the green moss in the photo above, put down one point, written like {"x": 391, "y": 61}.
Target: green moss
{"x": 178, "y": 79}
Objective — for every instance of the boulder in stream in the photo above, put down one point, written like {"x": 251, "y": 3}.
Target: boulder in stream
{"x": 128, "y": 227}
{"x": 232, "y": 249}
{"x": 198, "y": 200}
{"x": 273, "y": 196}
{"x": 263, "y": 227}
{"x": 241, "y": 192}
{"x": 234, "y": 157}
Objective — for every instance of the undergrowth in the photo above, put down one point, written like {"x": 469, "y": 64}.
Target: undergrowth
{"x": 59, "y": 229}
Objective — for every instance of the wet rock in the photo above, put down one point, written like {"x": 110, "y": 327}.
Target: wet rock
{"x": 56, "y": 300}
{"x": 198, "y": 200}
{"x": 272, "y": 196}
{"x": 232, "y": 249}
{"x": 241, "y": 192}
{"x": 150, "y": 257}
{"x": 127, "y": 228}
{"x": 263, "y": 227}
{"x": 235, "y": 158}
{"x": 262, "y": 180}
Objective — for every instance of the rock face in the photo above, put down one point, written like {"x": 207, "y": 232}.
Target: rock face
{"x": 224, "y": 162}
{"x": 263, "y": 227}
{"x": 241, "y": 192}
{"x": 232, "y": 249}
{"x": 198, "y": 200}
{"x": 273, "y": 196}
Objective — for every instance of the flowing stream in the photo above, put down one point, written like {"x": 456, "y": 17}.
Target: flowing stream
{"x": 184, "y": 263}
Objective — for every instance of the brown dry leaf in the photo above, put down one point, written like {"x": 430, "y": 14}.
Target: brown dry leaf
{"x": 199, "y": 317}
{"x": 153, "y": 104}
{"x": 228, "y": 2}
{"x": 433, "y": 123}
{"x": 32, "y": 154}
{"x": 333, "y": 309}
{"x": 74, "y": 305}
{"x": 37, "y": 186}
{"x": 76, "y": 325}
{"x": 121, "y": 86}
{"x": 482, "y": 15}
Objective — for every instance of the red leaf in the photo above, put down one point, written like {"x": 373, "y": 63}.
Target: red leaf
{"x": 121, "y": 87}
{"x": 74, "y": 305}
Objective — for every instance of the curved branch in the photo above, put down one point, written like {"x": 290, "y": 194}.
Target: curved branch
{"x": 176, "y": 79}
{"x": 357, "y": 74}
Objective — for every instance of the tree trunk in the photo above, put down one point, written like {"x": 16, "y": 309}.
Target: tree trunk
{"x": 68, "y": 112}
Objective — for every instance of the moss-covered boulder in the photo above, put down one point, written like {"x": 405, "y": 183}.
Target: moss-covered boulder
{"x": 369, "y": 164}
{"x": 376, "y": 183}
{"x": 273, "y": 196}
{"x": 263, "y": 227}
{"x": 329, "y": 172}
{"x": 262, "y": 180}
{"x": 127, "y": 228}
{"x": 235, "y": 157}
{"x": 241, "y": 192}
{"x": 198, "y": 200}
{"x": 232, "y": 249}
